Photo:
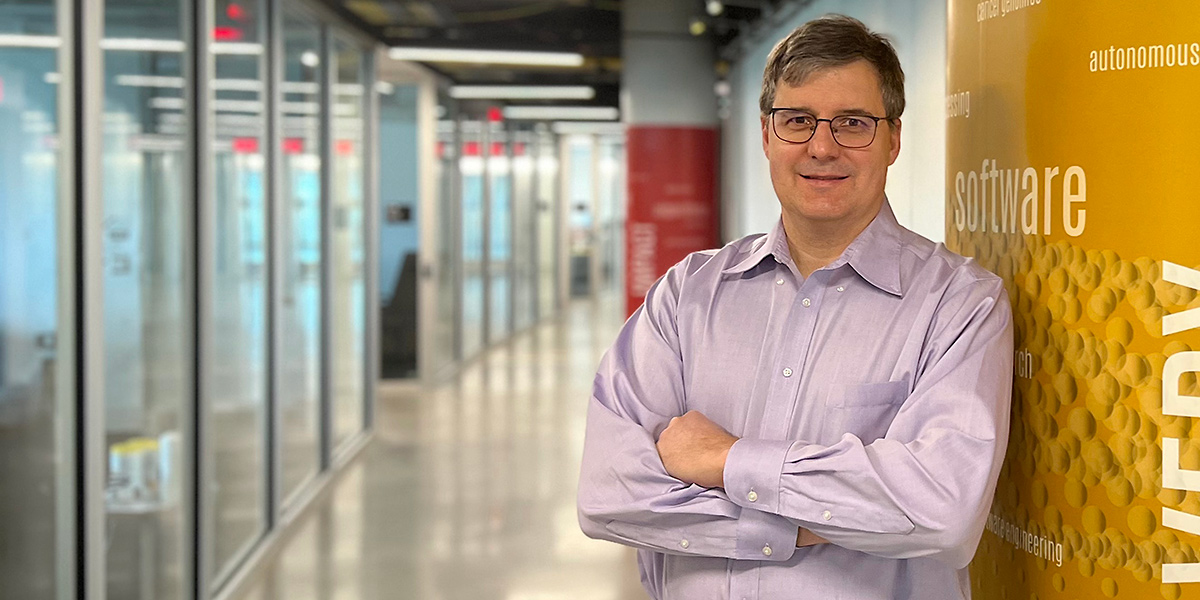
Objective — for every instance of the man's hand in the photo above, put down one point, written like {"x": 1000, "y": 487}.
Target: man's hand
{"x": 693, "y": 450}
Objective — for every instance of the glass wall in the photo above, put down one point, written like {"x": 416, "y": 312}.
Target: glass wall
{"x": 147, "y": 351}
{"x": 610, "y": 212}
{"x": 35, "y": 455}
{"x": 399, "y": 235}
{"x": 523, "y": 247}
{"x": 236, "y": 391}
{"x": 299, "y": 241}
{"x": 347, "y": 344}
{"x": 499, "y": 257}
{"x": 191, "y": 233}
{"x": 471, "y": 171}
{"x": 548, "y": 223}
{"x": 581, "y": 190}
{"x": 446, "y": 325}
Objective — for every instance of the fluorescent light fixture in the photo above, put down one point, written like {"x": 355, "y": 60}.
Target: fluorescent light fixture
{"x": 348, "y": 89}
{"x": 385, "y": 88}
{"x": 167, "y": 103}
{"x": 299, "y": 87}
{"x": 562, "y": 113}
{"x": 309, "y": 58}
{"x": 300, "y": 108}
{"x": 238, "y": 106}
{"x": 10, "y": 40}
{"x": 142, "y": 45}
{"x": 523, "y": 92}
{"x": 585, "y": 128}
{"x": 149, "y": 81}
{"x": 239, "y": 48}
{"x": 488, "y": 57}
{"x": 237, "y": 85}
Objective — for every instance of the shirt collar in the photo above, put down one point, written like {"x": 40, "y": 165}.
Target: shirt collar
{"x": 874, "y": 254}
{"x": 768, "y": 245}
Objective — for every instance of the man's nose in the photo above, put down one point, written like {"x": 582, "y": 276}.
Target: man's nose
{"x": 822, "y": 146}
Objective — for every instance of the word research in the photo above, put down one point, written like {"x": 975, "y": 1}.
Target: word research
{"x": 986, "y": 200}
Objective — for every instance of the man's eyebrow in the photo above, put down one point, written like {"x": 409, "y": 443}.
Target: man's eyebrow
{"x": 843, "y": 112}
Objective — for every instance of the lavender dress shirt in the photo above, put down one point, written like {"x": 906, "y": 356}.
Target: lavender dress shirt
{"x": 872, "y": 403}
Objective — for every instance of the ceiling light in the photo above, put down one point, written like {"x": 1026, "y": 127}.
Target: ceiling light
{"x": 150, "y": 81}
{"x": 29, "y": 41}
{"x": 581, "y": 128}
{"x": 310, "y": 59}
{"x": 697, "y": 27}
{"x": 714, "y": 7}
{"x": 142, "y": 45}
{"x": 562, "y": 113}
{"x": 241, "y": 48}
{"x": 523, "y": 92}
{"x": 494, "y": 57}
{"x": 385, "y": 88}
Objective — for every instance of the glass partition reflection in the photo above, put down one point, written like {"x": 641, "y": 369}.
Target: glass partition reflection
{"x": 523, "y": 241}
{"x": 347, "y": 292}
{"x": 548, "y": 224}
{"x": 446, "y": 326}
{"x": 147, "y": 355}
{"x": 471, "y": 170}
{"x": 236, "y": 392}
{"x": 299, "y": 226}
{"x": 499, "y": 173}
{"x": 32, "y": 453}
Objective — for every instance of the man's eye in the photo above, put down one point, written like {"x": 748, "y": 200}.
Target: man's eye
{"x": 853, "y": 122}
{"x": 801, "y": 121}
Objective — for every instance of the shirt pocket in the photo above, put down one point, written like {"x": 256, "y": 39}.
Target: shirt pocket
{"x": 865, "y": 410}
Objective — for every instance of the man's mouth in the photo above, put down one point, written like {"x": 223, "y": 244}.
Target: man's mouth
{"x": 825, "y": 177}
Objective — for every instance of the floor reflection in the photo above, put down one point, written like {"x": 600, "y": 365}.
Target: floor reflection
{"x": 468, "y": 489}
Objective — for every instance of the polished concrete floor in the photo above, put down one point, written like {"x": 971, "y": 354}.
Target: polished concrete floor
{"x": 467, "y": 490}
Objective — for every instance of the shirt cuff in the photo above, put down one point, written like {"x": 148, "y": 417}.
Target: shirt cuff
{"x": 752, "y": 472}
{"x": 764, "y": 536}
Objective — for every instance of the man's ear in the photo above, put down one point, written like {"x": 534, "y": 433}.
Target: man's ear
{"x": 894, "y": 151}
{"x": 766, "y": 134}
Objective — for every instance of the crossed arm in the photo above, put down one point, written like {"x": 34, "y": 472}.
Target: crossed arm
{"x": 659, "y": 477}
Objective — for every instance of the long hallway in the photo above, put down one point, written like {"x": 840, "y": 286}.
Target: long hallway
{"x": 467, "y": 490}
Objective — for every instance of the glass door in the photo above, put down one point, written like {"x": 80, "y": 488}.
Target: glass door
{"x": 147, "y": 351}
{"x": 235, "y": 394}
{"x": 37, "y": 389}
{"x": 298, "y": 322}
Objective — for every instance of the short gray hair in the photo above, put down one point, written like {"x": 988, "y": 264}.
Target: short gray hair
{"x": 833, "y": 41}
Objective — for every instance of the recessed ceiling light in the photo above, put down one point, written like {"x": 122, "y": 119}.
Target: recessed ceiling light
{"x": 492, "y": 57}
{"x": 562, "y": 113}
{"x": 523, "y": 92}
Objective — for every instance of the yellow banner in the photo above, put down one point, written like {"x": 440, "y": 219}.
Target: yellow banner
{"x": 1073, "y": 143}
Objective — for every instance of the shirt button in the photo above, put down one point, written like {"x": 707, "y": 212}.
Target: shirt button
{"x": 806, "y": 302}
{"x": 752, "y": 496}
{"x": 841, "y": 288}
{"x": 787, "y": 372}
{"x": 684, "y": 544}
{"x": 766, "y": 550}
{"x": 827, "y": 515}
{"x": 779, "y": 281}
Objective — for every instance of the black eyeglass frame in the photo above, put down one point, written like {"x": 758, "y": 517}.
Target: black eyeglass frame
{"x": 874, "y": 132}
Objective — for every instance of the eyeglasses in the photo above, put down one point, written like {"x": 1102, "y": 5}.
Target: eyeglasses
{"x": 849, "y": 131}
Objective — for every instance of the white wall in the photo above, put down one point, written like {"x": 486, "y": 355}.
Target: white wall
{"x": 916, "y": 183}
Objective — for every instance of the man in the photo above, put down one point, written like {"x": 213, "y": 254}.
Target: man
{"x": 818, "y": 412}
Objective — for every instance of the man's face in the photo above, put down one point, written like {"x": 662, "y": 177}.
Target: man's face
{"x": 819, "y": 180}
